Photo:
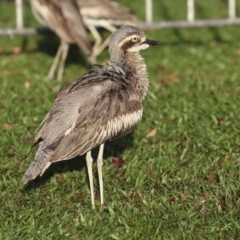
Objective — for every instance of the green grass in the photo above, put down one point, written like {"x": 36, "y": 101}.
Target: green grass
{"x": 181, "y": 183}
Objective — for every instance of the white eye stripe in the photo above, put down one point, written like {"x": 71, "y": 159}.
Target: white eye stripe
{"x": 137, "y": 48}
{"x": 127, "y": 39}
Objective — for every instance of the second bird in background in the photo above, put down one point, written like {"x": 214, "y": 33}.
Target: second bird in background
{"x": 69, "y": 18}
{"x": 64, "y": 19}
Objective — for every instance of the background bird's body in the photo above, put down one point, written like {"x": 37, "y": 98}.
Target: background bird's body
{"x": 64, "y": 18}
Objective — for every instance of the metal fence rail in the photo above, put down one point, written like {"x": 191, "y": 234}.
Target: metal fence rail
{"x": 190, "y": 21}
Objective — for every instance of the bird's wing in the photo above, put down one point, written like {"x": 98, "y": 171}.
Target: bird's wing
{"x": 53, "y": 119}
{"x": 87, "y": 113}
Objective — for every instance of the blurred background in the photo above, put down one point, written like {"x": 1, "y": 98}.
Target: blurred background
{"x": 181, "y": 171}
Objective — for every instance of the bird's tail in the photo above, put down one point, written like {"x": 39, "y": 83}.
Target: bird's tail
{"x": 38, "y": 166}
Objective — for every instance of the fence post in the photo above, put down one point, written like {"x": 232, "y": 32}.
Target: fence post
{"x": 148, "y": 8}
{"x": 19, "y": 14}
{"x": 232, "y": 9}
{"x": 190, "y": 10}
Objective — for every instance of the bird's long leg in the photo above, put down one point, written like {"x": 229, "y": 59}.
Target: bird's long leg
{"x": 110, "y": 28}
{"x": 89, "y": 161}
{"x": 65, "y": 47}
{"x": 99, "y": 166}
{"x": 55, "y": 62}
{"x": 98, "y": 40}
{"x": 101, "y": 47}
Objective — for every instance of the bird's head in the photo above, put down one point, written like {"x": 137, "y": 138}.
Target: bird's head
{"x": 128, "y": 39}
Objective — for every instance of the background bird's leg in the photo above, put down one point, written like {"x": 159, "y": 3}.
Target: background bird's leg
{"x": 98, "y": 40}
{"x": 99, "y": 166}
{"x": 65, "y": 47}
{"x": 110, "y": 28}
{"x": 55, "y": 62}
{"x": 89, "y": 161}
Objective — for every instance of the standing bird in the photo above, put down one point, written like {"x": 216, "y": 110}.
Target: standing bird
{"x": 102, "y": 105}
{"x": 64, "y": 18}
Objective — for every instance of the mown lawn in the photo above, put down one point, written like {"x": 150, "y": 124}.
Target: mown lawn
{"x": 181, "y": 172}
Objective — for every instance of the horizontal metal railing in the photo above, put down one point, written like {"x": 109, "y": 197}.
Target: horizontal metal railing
{"x": 191, "y": 22}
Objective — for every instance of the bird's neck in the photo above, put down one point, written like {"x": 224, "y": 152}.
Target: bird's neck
{"x": 136, "y": 73}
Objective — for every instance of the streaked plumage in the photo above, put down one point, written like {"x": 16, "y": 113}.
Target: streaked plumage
{"x": 102, "y": 105}
{"x": 63, "y": 17}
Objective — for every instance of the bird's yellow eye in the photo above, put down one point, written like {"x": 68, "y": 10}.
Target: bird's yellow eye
{"x": 135, "y": 39}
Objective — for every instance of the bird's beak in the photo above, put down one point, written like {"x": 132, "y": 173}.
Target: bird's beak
{"x": 151, "y": 42}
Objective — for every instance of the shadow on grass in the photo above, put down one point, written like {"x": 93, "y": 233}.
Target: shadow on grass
{"x": 49, "y": 44}
{"x": 114, "y": 148}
